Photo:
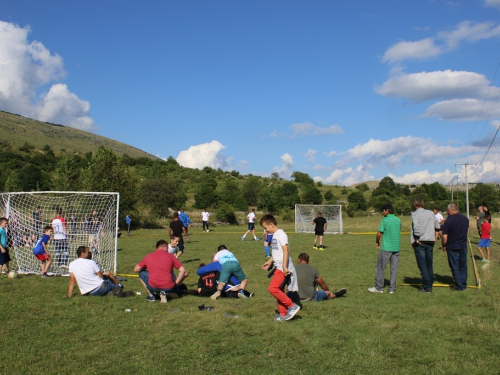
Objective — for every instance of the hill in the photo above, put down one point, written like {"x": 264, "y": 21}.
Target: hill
{"x": 17, "y": 130}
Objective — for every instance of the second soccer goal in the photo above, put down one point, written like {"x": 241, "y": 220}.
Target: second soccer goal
{"x": 306, "y": 213}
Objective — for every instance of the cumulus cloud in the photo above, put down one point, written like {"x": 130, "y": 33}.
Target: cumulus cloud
{"x": 204, "y": 155}
{"x": 444, "y": 41}
{"x": 310, "y": 155}
{"x": 421, "y": 49}
{"x": 347, "y": 176}
{"x": 25, "y": 68}
{"x": 463, "y": 110}
{"x": 424, "y": 86}
{"x": 285, "y": 170}
{"x": 424, "y": 176}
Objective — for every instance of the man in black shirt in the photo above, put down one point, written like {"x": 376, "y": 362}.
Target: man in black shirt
{"x": 319, "y": 230}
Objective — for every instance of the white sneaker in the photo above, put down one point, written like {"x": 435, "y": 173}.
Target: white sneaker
{"x": 375, "y": 290}
{"x": 292, "y": 311}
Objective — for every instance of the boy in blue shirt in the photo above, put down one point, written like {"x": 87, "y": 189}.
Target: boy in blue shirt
{"x": 40, "y": 251}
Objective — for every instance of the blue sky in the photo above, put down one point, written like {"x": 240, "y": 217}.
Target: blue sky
{"x": 346, "y": 91}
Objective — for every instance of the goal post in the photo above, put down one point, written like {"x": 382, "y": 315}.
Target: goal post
{"x": 77, "y": 219}
{"x": 306, "y": 213}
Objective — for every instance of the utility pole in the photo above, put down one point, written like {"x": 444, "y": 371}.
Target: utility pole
{"x": 466, "y": 187}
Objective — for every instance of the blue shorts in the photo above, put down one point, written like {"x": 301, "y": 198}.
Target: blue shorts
{"x": 106, "y": 287}
{"x": 144, "y": 276}
{"x": 269, "y": 238}
{"x": 484, "y": 242}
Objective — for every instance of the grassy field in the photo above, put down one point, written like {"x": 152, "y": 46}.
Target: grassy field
{"x": 406, "y": 333}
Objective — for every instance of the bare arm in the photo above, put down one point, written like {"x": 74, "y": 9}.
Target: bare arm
{"x": 266, "y": 265}
{"x": 322, "y": 284}
{"x": 181, "y": 276}
{"x": 444, "y": 241}
{"x": 137, "y": 268}
{"x": 71, "y": 285}
{"x": 286, "y": 249}
{"x": 377, "y": 239}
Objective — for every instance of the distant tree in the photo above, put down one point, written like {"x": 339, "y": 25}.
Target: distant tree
{"x": 362, "y": 187}
{"x": 387, "y": 183}
{"x": 229, "y": 192}
{"x": 485, "y": 194}
{"x": 288, "y": 195}
{"x": 269, "y": 199}
{"x": 302, "y": 178}
{"x": 206, "y": 196}
{"x": 251, "y": 189}
{"x": 344, "y": 191}
{"x": 329, "y": 197}
{"x": 311, "y": 195}
{"x": 275, "y": 176}
{"x": 105, "y": 172}
{"x": 225, "y": 213}
{"x": 28, "y": 178}
{"x": 67, "y": 173}
{"x": 159, "y": 194}
{"x": 357, "y": 201}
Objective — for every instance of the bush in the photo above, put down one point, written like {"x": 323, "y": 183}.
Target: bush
{"x": 287, "y": 215}
{"x": 226, "y": 214}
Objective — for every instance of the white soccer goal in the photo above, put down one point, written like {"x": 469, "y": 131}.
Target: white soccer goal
{"x": 306, "y": 213}
{"x": 89, "y": 219}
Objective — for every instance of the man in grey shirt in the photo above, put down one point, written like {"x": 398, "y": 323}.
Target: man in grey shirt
{"x": 424, "y": 234}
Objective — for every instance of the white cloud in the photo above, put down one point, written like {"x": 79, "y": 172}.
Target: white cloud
{"x": 332, "y": 153}
{"x": 285, "y": 170}
{"x": 420, "y": 87}
{"x": 25, "y": 68}
{"x": 310, "y": 155}
{"x": 204, "y": 155}
{"x": 307, "y": 128}
{"x": 421, "y": 49}
{"x": 492, "y": 3}
{"x": 347, "y": 176}
{"x": 424, "y": 176}
{"x": 444, "y": 41}
{"x": 463, "y": 110}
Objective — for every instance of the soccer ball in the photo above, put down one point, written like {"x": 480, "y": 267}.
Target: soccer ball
{"x": 12, "y": 274}
{"x": 208, "y": 230}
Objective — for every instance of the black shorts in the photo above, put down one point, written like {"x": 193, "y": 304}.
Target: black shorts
{"x": 319, "y": 232}
{"x": 4, "y": 257}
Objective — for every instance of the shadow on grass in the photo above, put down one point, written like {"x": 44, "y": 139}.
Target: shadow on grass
{"x": 191, "y": 260}
{"x": 415, "y": 282}
{"x": 444, "y": 279}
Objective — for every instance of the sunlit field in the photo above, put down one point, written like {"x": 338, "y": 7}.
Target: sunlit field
{"x": 408, "y": 332}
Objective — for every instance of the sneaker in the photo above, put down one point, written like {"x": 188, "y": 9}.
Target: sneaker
{"x": 484, "y": 260}
{"x": 150, "y": 298}
{"x": 267, "y": 256}
{"x": 321, "y": 248}
{"x": 280, "y": 318}
{"x": 375, "y": 290}
{"x": 241, "y": 294}
{"x": 315, "y": 248}
{"x": 163, "y": 297}
{"x": 45, "y": 276}
{"x": 256, "y": 239}
{"x": 340, "y": 292}
{"x": 422, "y": 290}
{"x": 243, "y": 238}
{"x": 250, "y": 295}
{"x": 292, "y": 311}
{"x": 215, "y": 295}
{"x": 392, "y": 291}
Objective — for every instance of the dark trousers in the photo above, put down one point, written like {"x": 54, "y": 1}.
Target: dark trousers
{"x": 424, "y": 254}
{"x": 457, "y": 260}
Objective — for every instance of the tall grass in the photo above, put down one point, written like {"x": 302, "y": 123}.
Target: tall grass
{"x": 406, "y": 333}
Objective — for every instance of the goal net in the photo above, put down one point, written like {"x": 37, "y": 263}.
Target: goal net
{"x": 306, "y": 213}
{"x": 77, "y": 219}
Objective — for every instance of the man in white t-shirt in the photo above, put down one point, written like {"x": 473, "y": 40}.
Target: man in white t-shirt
{"x": 251, "y": 225}
{"x": 87, "y": 274}
{"x": 60, "y": 240}
{"x": 440, "y": 219}
{"x": 204, "y": 218}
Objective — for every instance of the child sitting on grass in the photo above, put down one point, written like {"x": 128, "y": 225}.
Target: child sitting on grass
{"x": 284, "y": 272}
{"x": 40, "y": 251}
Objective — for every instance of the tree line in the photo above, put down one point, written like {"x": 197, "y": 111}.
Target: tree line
{"x": 151, "y": 188}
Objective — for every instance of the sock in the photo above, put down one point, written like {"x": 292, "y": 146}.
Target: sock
{"x": 267, "y": 249}
{"x": 255, "y": 238}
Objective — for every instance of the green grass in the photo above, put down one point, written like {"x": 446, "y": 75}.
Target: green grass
{"x": 406, "y": 333}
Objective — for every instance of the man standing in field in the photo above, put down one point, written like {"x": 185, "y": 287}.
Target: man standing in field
{"x": 424, "y": 234}
{"x": 251, "y": 225}
{"x": 390, "y": 232}
{"x": 479, "y": 219}
{"x": 319, "y": 230}
{"x": 454, "y": 242}
{"x": 204, "y": 218}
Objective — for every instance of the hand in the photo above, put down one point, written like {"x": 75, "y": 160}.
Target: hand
{"x": 265, "y": 266}
{"x": 378, "y": 246}
{"x": 3, "y": 250}
{"x": 286, "y": 272}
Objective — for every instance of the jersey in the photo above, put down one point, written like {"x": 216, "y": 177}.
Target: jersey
{"x": 485, "y": 230}
{"x": 59, "y": 227}
{"x": 207, "y": 283}
{"x": 251, "y": 217}
{"x": 205, "y": 215}
{"x": 224, "y": 256}
{"x": 39, "y": 249}
{"x": 320, "y": 224}
{"x": 3, "y": 237}
{"x": 176, "y": 226}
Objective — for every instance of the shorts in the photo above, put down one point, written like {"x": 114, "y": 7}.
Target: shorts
{"x": 484, "y": 242}
{"x": 229, "y": 268}
{"x": 251, "y": 226}
{"x": 106, "y": 287}
{"x": 42, "y": 257}
{"x": 319, "y": 232}
{"x": 269, "y": 238}
{"x": 4, "y": 257}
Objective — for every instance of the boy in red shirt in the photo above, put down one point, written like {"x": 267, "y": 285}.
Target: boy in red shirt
{"x": 485, "y": 238}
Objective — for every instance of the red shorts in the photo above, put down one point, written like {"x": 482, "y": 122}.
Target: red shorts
{"x": 43, "y": 257}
